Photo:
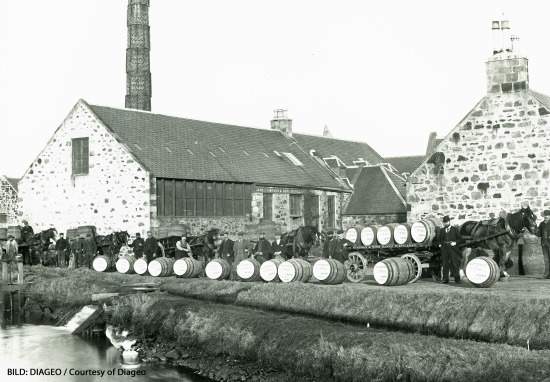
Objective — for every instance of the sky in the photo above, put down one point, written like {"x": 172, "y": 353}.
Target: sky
{"x": 386, "y": 72}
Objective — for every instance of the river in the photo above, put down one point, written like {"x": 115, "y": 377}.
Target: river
{"x": 42, "y": 350}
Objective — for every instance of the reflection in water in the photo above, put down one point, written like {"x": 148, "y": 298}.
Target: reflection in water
{"x": 45, "y": 347}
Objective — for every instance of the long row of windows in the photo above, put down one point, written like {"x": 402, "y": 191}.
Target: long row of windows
{"x": 196, "y": 198}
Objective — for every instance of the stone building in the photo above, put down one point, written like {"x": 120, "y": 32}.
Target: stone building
{"x": 378, "y": 197}
{"x": 121, "y": 169}
{"x": 8, "y": 201}
{"x": 497, "y": 156}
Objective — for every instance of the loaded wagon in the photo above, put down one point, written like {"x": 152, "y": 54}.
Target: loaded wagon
{"x": 371, "y": 244}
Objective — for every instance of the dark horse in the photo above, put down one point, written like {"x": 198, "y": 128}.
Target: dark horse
{"x": 39, "y": 245}
{"x": 298, "y": 242}
{"x": 204, "y": 246}
{"x": 503, "y": 233}
{"x": 109, "y": 245}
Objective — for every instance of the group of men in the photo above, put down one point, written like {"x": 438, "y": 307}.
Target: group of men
{"x": 336, "y": 246}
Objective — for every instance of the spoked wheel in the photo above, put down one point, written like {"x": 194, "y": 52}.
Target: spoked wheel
{"x": 356, "y": 267}
{"x": 417, "y": 265}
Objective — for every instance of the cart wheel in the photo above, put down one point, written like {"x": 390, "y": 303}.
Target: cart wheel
{"x": 417, "y": 264}
{"x": 356, "y": 267}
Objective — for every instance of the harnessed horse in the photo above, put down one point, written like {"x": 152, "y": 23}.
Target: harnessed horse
{"x": 39, "y": 246}
{"x": 298, "y": 242}
{"x": 110, "y": 245}
{"x": 498, "y": 235}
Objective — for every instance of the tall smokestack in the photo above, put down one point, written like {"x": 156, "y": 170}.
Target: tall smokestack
{"x": 138, "y": 71}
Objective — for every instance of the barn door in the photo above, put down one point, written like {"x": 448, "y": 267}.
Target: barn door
{"x": 311, "y": 210}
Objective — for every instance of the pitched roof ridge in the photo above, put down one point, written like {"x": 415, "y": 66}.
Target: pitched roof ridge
{"x": 336, "y": 139}
{"x": 184, "y": 118}
{"x": 393, "y": 186}
{"x": 405, "y": 156}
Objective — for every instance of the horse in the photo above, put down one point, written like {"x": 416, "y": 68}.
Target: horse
{"x": 109, "y": 245}
{"x": 298, "y": 242}
{"x": 204, "y": 246}
{"x": 503, "y": 232}
{"x": 39, "y": 246}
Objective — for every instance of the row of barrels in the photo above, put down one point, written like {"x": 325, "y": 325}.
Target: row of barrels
{"x": 420, "y": 232}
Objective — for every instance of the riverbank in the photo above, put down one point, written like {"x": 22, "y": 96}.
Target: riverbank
{"x": 298, "y": 333}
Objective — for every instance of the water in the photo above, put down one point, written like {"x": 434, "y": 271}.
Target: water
{"x": 34, "y": 348}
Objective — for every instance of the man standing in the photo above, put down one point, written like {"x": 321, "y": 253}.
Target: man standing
{"x": 262, "y": 250}
{"x": 26, "y": 235}
{"x": 183, "y": 249}
{"x": 74, "y": 259}
{"x": 138, "y": 245}
{"x": 448, "y": 237}
{"x": 8, "y": 258}
{"x": 338, "y": 249}
{"x": 544, "y": 234}
{"x": 226, "y": 250}
{"x": 277, "y": 246}
{"x": 151, "y": 247}
{"x": 240, "y": 252}
{"x": 61, "y": 246}
{"x": 327, "y": 244}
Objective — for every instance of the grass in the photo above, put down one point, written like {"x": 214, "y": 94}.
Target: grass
{"x": 322, "y": 350}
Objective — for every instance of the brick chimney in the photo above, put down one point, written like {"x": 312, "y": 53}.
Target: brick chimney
{"x": 507, "y": 70}
{"x": 138, "y": 71}
{"x": 281, "y": 122}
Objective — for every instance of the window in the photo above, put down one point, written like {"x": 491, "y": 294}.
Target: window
{"x": 331, "y": 212}
{"x": 292, "y": 158}
{"x": 295, "y": 205}
{"x": 268, "y": 206}
{"x": 80, "y": 156}
{"x": 3, "y": 218}
{"x": 196, "y": 198}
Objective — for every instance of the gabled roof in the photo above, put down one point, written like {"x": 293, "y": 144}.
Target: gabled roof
{"x": 12, "y": 181}
{"x": 346, "y": 151}
{"x": 406, "y": 164}
{"x": 180, "y": 148}
{"x": 377, "y": 191}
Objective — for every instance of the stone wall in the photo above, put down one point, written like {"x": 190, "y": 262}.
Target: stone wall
{"x": 113, "y": 196}
{"x": 353, "y": 220}
{"x": 497, "y": 157}
{"x": 8, "y": 203}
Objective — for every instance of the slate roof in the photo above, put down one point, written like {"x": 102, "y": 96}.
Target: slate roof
{"x": 12, "y": 181}
{"x": 375, "y": 193}
{"x": 406, "y": 163}
{"x": 180, "y": 148}
{"x": 346, "y": 151}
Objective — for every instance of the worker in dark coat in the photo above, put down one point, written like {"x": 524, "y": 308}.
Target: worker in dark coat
{"x": 74, "y": 258}
{"x": 339, "y": 247}
{"x": 226, "y": 248}
{"x": 448, "y": 239}
{"x": 327, "y": 243}
{"x": 151, "y": 248}
{"x": 26, "y": 235}
{"x": 61, "y": 247}
{"x": 277, "y": 246}
{"x": 83, "y": 260}
{"x": 544, "y": 234}
{"x": 262, "y": 250}
{"x": 138, "y": 246}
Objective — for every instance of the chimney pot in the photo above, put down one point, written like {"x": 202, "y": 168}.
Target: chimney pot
{"x": 281, "y": 122}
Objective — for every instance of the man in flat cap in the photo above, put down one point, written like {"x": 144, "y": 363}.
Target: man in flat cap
{"x": 544, "y": 234}
{"x": 448, "y": 238}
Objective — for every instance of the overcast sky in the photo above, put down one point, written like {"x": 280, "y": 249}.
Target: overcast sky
{"x": 385, "y": 72}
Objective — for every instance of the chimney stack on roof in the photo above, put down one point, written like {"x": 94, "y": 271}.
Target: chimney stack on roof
{"x": 138, "y": 71}
{"x": 281, "y": 122}
{"x": 326, "y": 132}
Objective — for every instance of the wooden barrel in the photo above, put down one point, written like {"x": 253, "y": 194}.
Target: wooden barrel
{"x": 393, "y": 271}
{"x": 15, "y": 231}
{"x": 423, "y": 231}
{"x": 401, "y": 233}
{"x": 532, "y": 256}
{"x": 248, "y": 270}
{"x": 161, "y": 267}
{"x": 368, "y": 235}
{"x": 86, "y": 231}
{"x": 125, "y": 264}
{"x": 353, "y": 235}
{"x": 3, "y": 233}
{"x": 329, "y": 271}
{"x": 103, "y": 263}
{"x": 384, "y": 235}
{"x": 188, "y": 267}
{"x": 140, "y": 266}
{"x": 295, "y": 270}
{"x": 482, "y": 271}
{"x": 268, "y": 270}
{"x": 218, "y": 269}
